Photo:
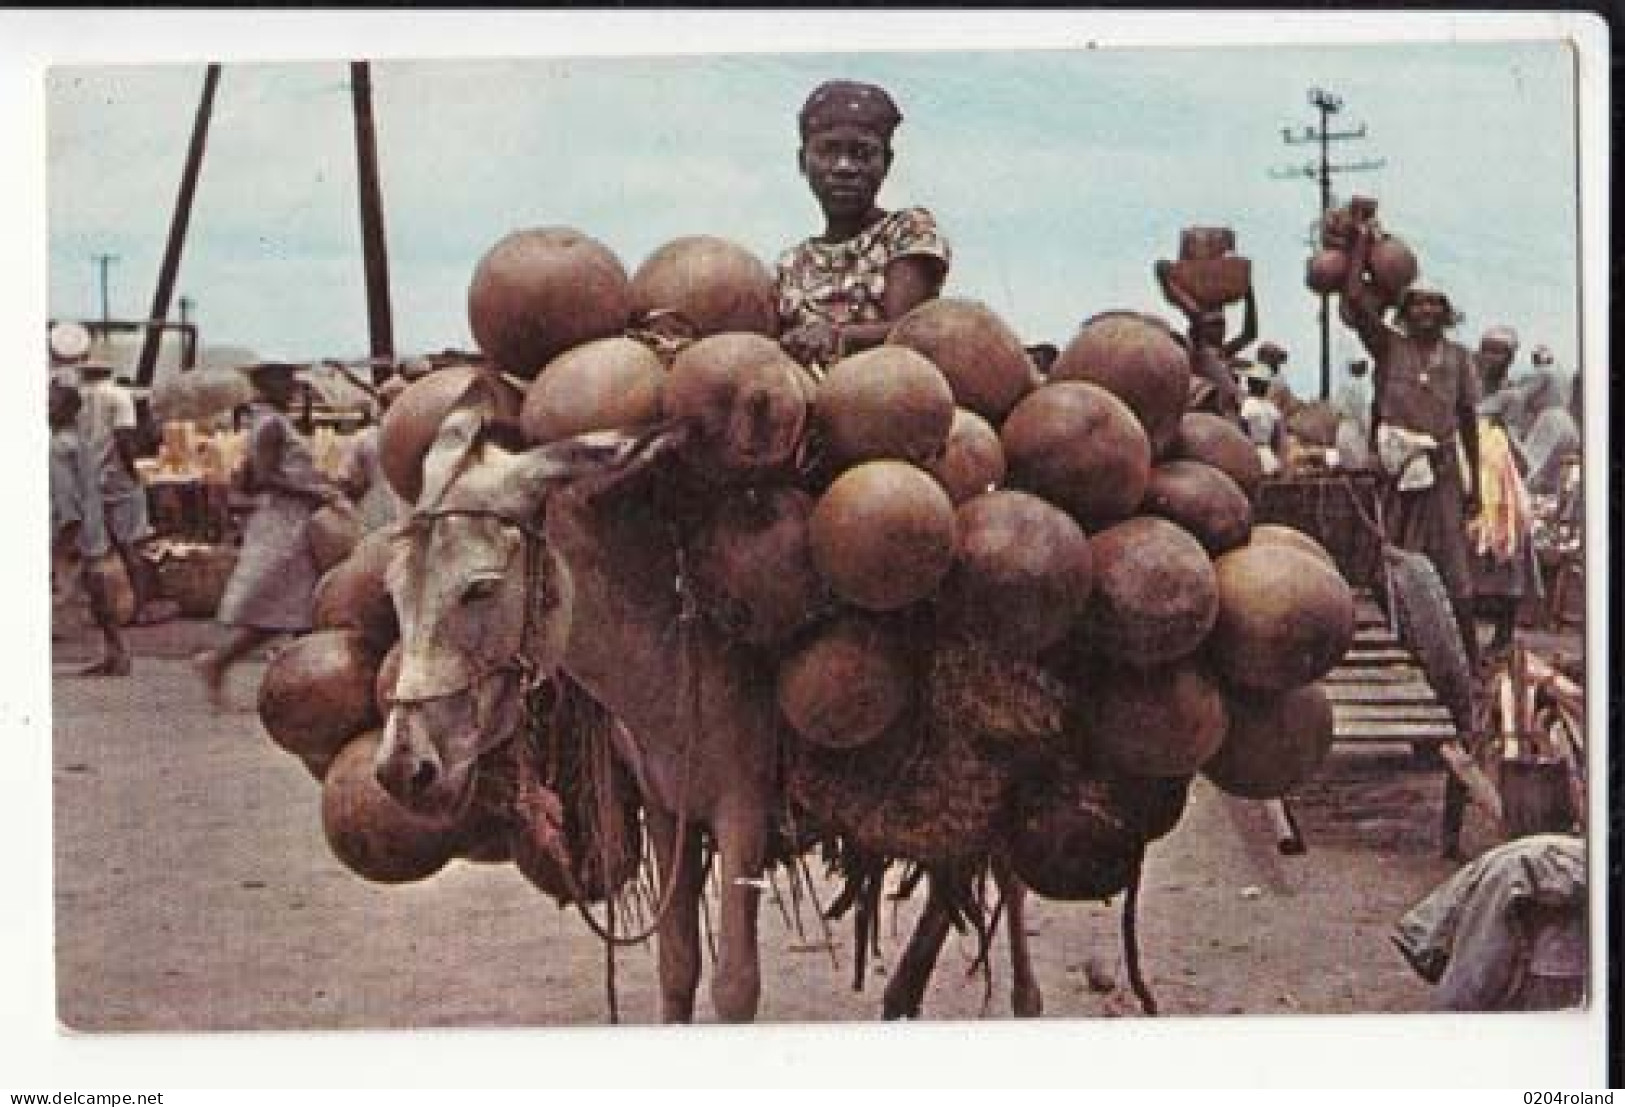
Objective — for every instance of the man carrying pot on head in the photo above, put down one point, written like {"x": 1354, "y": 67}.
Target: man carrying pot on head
{"x": 1213, "y": 383}
{"x": 1425, "y": 405}
{"x": 113, "y": 507}
{"x": 840, "y": 292}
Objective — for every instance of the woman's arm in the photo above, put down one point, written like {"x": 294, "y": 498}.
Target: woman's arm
{"x": 1249, "y": 326}
{"x": 1173, "y": 293}
{"x": 1366, "y": 321}
{"x": 910, "y": 281}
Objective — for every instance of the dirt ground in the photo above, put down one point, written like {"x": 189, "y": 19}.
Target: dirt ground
{"x": 194, "y": 891}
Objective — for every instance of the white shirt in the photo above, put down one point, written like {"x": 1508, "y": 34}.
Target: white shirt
{"x": 106, "y": 409}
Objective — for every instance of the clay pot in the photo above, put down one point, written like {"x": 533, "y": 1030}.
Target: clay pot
{"x": 888, "y": 402}
{"x": 1155, "y": 597}
{"x": 1273, "y": 742}
{"x": 1327, "y": 272}
{"x": 1284, "y": 618}
{"x": 972, "y": 461}
{"x": 318, "y": 694}
{"x": 1160, "y": 721}
{"x": 1201, "y": 499}
{"x": 607, "y": 384}
{"x": 1392, "y": 266}
{"x": 1077, "y": 837}
{"x": 747, "y": 398}
{"x": 355, "y": 594}
{"x": 334, "y": 530}
{"x": 1022, "y": 575}
{"x": 1277, "y": 534}
{"x": 375, "y": 837}
{"x": 408, "y": 428}
{"x": 848, "y": 684}
{"x": 1218, "y": 442}
{"x": 1081, "y": 448}
{"x": 982, "y": 358}
{"x": 541, "y": 291}
{"x": 716, "y": 285}
{"x": 883, "y": 535}
{"x": 1136, "y": 359}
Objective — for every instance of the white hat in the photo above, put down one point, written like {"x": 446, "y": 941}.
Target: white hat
{"x": 69, "y": 341}
{"x": 1501, "y": 336}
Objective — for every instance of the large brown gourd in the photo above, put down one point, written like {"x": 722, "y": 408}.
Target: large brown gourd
{"x": 1158, "y": 721}
{"x": 538, "y": 292}
{"x": 1284, "y": 618}
{"x": 1081, "y": 448}
{"x": 1274, "y": 742}
{"x": 318, "y": 694}
{"x": 355, "y": 593}
{"x": 1022, "y": 575}
{"x": 714, "y": 284}
{"x": 607, "y": 384}
{"x": 883, "y": 535}
{"x": 972, "y": 461}
{"x": 1155, "y": 597}
{"x": 888, "y": 402}
{"x": 984, "y": 361}
{"x": 409, "y": 427}
{"x": 1203, "y": 500}
{"x": 1392, "y": 266}
{"x": 746, "y": 397}
{"x": 751, "y": 564}
{"x": 1137, "y": 360}
{"x": 847, "y": 684}
{"x": 1218, "y": 442}
{"x": 1279, "y": 534}
{"x": 375, "y": 837}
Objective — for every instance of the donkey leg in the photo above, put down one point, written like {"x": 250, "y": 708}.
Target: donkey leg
{"x": 1025, "y": 998}
{"x": 736, "y": 988}
{"x": 905, "y": 992}
{"x": 677, "y": 938}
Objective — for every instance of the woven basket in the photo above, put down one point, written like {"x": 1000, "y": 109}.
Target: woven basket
{"x": 931, "y": 798}
{"x": 196, "y": 578}
{"x": 1007, "y": 703}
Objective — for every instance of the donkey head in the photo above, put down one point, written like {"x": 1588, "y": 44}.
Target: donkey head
{"x": 484, "y": 601}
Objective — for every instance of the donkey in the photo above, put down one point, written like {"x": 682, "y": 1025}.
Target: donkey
{"x": 514, "y": 565}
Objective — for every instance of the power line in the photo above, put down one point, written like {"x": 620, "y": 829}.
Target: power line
{"x": 1321, "y": 170}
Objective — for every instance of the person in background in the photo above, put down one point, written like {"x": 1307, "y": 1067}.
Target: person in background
{"x": 1265, "y": 425}
{"x": 1425, "y": 403}
{"x": 1213, "y": 384}
{"x": 361, "y": 473}
{"x": 1506, "y": 932}
{"x": 841, "y": 291}
{"x": 67, "y": 503}
{"x": 1554, "y": 436}
{"x": 113, "y": 506}
{"x": 1353, "y": 405}
{"x": 1505, "y": 569}
{"x": 1273, "y": 356}
{"x": 273, "y": 584}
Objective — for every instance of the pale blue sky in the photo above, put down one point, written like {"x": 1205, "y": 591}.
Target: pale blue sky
{"x": 1059, "y": 176}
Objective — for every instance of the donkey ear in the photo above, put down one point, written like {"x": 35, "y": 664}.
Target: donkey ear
{"x": 459, "y": 436}
{"x": 603, "y": 458}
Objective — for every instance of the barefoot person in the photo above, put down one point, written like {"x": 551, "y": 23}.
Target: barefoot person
{"x": 840, "y": 292}
{"x": 113, "y": 505}
{"x": 1425, "y": 401}
{"x": 271, "y": 588}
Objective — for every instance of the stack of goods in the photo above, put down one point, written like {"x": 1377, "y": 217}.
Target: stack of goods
{"x": 1003, "y": 611}
{"x": 1390, "y": 267}
{"x": 1209, "y": 268}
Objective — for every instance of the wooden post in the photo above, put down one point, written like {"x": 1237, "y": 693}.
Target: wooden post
{"x": 147, "y": 366}
{"x": 374, "y": 254}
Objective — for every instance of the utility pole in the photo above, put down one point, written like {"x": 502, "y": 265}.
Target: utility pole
{"x": 171, "y": 265}
{"x": 102, "y": 262}
{"x": 374, "y": 254}
{"x": 1328, "y": 104}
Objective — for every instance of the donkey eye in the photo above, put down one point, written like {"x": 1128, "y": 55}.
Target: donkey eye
{"x": 481, "y": 588}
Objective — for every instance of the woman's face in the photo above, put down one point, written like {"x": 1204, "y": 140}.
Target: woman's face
{"x": 845, "y": 167}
